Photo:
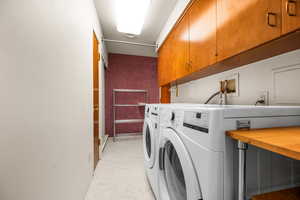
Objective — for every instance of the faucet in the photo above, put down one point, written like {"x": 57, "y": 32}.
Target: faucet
{"x": 223, "y": 92}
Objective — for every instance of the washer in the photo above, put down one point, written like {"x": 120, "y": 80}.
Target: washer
{"x": 196, "y": 159}
{"x": 151, "y": 135}
{"x": 150, "y": 142}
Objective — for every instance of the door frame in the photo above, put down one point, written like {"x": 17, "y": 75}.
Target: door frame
{"x": 96, "y": 139}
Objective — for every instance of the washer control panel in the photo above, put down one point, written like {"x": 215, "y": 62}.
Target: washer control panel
{"x": 198, "y": 121}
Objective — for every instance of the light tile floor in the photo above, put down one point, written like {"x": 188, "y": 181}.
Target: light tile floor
{"x": 120, "y": 175}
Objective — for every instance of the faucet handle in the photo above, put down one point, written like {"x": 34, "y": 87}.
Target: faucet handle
{"x": 224, "y": 86}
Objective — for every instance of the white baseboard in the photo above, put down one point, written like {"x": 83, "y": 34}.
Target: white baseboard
{"x": 105, "y": 139}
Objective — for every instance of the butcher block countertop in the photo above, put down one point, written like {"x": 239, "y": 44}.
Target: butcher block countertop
{"x": 288, "y": 194}
{"x": 284, "y": 141}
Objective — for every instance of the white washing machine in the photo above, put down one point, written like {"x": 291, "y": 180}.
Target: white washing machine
{"x": 151, "y": 134}
{"x": 196, "y": 159}
{"x": 150, "y": 143}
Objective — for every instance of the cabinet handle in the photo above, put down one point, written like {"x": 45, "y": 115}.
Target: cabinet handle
{"x": 187, "y": 66}
{"x": 289, "y": 5}
{"x": 191, "y": 65}
{"x": 274, "y": 15}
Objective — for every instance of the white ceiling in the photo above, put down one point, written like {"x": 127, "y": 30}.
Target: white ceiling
{"x": 157, "y": 16}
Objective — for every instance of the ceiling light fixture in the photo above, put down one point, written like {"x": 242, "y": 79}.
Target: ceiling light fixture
{"x": 131, "y": 15}
{"x": 129, "y": 35}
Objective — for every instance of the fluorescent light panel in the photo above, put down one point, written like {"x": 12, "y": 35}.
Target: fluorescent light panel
{"x": 131, "y": 15}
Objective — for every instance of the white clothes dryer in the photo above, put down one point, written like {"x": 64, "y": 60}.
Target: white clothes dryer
{"x": 195, "y": 156}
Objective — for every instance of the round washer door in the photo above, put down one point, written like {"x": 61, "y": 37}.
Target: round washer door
{"x": 177, "y": 178}
{"x": 149, "y": 143}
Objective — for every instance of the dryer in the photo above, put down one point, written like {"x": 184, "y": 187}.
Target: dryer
{"x": 196, "y": 159}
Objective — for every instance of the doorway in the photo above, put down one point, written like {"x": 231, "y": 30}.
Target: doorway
{"x": 96, "y": 59}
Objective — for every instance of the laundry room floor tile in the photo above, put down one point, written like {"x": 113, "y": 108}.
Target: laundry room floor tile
{"x": 120, "y": 174}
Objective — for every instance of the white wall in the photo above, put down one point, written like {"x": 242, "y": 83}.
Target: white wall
{"x": 175, "y": 14}
{"x": 46, "y": 98}
{"x": 253, "y": 79}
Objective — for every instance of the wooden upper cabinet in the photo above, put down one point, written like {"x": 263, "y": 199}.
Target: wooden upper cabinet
{"x": 180, "y": 48}
{"x": 202, "y": 30}
{"x": 290, "y": 15}
{"x": 211, "y": 31}
{"x": 245, "y": 24}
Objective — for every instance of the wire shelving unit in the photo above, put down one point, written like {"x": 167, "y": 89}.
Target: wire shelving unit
{"x": 115, "y": 106}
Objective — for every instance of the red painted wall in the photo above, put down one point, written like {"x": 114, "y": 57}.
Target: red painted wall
{"x": 129, "y": 72}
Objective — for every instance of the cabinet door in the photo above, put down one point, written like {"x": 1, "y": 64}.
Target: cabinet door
{"x": 161, "y": 64}
{"x": 291, "y": 15}
{"x": 180, "y": 48}
{"x": 202, "y": 26}
{"x": 166, "y": 72}
{"x": 245, "y": 24}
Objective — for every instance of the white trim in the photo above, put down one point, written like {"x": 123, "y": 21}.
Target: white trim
{"x": 103, "y": 144}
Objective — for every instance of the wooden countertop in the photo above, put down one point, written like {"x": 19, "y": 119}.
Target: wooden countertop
{"x": 284, "y": 141}
{"x": 288, "y": 194}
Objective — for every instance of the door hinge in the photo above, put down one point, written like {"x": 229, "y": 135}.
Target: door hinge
{"x": 98, "y": 56}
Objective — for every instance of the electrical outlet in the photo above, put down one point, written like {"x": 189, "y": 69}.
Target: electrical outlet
{"x": 264, "y": 96}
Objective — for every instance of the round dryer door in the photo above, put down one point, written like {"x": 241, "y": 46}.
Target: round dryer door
{"x": 149, "y": 143}
{"x": 177, "y": 178}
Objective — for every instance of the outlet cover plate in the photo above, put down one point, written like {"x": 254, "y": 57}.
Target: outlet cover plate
{"x": 264, "y": 95}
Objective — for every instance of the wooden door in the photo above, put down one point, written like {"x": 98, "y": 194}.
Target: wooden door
{"x": 245, "y": 24}
{"x": 96, "y": 58}
{"x": 290, "y": 15}
{"x": 165, "y": 94}
{"x": 202, "y": 28}
{"x": 180, "y": 48}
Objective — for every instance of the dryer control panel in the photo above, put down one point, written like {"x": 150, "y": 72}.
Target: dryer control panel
{"x": 198, "y": 121}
